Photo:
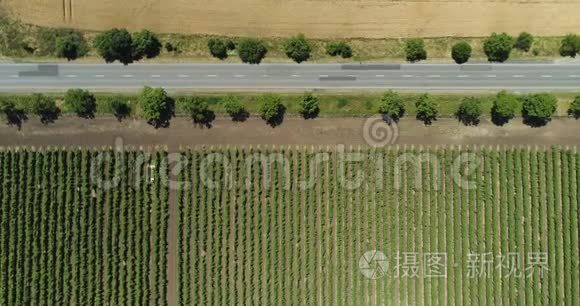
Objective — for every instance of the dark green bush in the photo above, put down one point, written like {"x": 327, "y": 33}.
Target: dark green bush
{"x": 469, "y": 111}
{"x": 461, "y": 52}
{"x": 309, "y": 106}
{"x": 340, "y": 48}
{"x": 251, "y": 51}
{"x": 217, "y": 48}
{"x": 498, "y": 47}
{"x": 146, "y": 44}
{"x": 392, "y": 105}
{"x": 81, "y": 102}
{"x": 504, "y": 107}
{"x": 427, "y": 109}
{"x": 115, "y": 45}
{"x": 415, "y": 50}
{"x": 272, "y": 110}
{"x": 537, "y": 109}
{"x": 524, "y": 42}
{"x": 297, "y": 48}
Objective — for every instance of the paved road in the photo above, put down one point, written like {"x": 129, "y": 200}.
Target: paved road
{"x": 525, "y": 77}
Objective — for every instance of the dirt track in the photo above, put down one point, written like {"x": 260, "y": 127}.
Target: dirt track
{"x": 315, "y": 18}
{"x": 103, "y": 131}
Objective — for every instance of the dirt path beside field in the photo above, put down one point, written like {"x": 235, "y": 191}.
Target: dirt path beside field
{"x": 103, "y": 131}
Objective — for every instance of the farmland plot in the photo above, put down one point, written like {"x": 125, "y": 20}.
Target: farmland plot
{"x": 68, "y": 239}
{"x": 469, "y": 226}
{"x": 448, "y": 226}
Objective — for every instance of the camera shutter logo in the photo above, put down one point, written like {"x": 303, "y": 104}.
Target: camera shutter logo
{"x": 373, "y": 264}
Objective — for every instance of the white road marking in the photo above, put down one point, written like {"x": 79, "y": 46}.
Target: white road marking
{"x": 239, "y": 75}
{"x": 407, "y": 76}
{"x": 71, "y": 75}
{"x": 517, "y": 76}
{"x": 265, "y": 75}
{"x": 491, "y": 75}
{"x": 380, "y": 75}
{"x": 155, "y": 76}
{"x": 546, "y": 76}
{"x": 295, "y": 76}
{"x": 574, "y": 76}
{"x": 212, "y": 76}
{"x": 99, "y": 76}
{"x": 184, "y": 76}
{"x": 463, "y": 76}
{"x": 128, "y": 76}
{"x": 323, "y": 76}
{"x": 14, "y": 76}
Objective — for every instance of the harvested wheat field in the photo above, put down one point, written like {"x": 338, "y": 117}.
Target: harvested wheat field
{"x": 315, "y": 18}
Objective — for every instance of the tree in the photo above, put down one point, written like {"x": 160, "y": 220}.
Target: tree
{"x": 146, "y": 44}
{"x": 272, "y": 110}
{"x": 461, "y": 52}
{"x": 391, "y": 106}
{"x": 235, "y": 109}
{"x": 156, "y": 106}
{"x": 309, "y": 106}
{"x": 115, "y": 45}
{"x": 81, "y": 102}
{"x": 570, "y": 45}
{"x": 339, "y": 48}
{"x": 71, "y": 46}
{"x": 297, "y": 48}
{"x": 469, "y": 111}
{"x": 251, "y": 51}
{"x": 11, "y": 112}
{"x": 217, "y": 48}
{"x": 415, "y": 50}
{"x": 119, "y": 107}
{"x": 524, "y": 41}
{"x": 574, "y": 109}
{"x": 498, "y": 47}
{"x": 537, "y": 109}
{"x": 427, "y": 109}
{"x": 198, "y": 110}
{"x": 44, "y": 107}
{"x": 505, "y": 106}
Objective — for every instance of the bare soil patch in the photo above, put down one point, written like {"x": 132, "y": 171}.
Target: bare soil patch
{"x": 103, "y": 131}
{"x": 315, "y": 18}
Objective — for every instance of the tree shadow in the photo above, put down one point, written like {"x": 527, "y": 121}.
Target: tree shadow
{"x": 16, "y": 118}
{"x": 427, "y": 120}
{"x": 279, "y": 118}
{"x": 122, "y": 112}
{"x": 312, "y": 115}
{"x": 49, "y": 116}
{"x": 536, "y": 122}
{"x": 498, "y": 119}
{"x": 205, "y": 120}
{"x": 241, "y": 116}
{"x": 465, "y": 120}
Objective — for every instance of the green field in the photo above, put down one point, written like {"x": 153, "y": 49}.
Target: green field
{"x": 289, "y": 226}
{"x": 279, "y": 243}
{"x": 66, "y": 240}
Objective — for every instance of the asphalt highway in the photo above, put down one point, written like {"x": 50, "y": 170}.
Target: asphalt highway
{"x": 428, "y": 77}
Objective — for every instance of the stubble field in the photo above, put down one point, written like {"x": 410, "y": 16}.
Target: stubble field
{"x": 317, "y": 19}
